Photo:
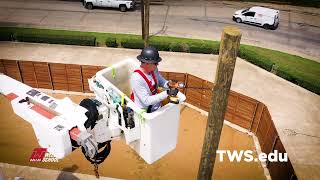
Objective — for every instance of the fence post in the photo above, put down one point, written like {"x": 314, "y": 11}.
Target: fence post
{"x": 229, "y": 47}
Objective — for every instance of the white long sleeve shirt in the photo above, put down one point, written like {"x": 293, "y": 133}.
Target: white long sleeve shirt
{"x": 142, "y": 95}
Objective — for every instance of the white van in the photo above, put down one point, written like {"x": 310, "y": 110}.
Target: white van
{"x": 261, "y": 16}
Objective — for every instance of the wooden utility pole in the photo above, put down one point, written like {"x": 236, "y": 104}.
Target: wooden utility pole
{"x": 146, "y": 20}
{"x": 229, "y": 47}
{"x": 145, "y": 16}
{"x": 142, "y": 18}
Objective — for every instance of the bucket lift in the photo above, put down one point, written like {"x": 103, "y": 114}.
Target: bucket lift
{"x": 61, "y": 126}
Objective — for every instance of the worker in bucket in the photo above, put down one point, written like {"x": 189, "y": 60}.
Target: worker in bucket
{"x": 146, "y": 79}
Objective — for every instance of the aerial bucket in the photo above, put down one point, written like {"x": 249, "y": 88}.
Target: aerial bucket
{"x": 155, "y": 134}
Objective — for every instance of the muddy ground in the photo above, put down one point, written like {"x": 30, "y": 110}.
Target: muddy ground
{"x": 17, "y": 141}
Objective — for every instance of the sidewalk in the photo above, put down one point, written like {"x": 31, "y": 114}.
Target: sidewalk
{"x": 291, "y": 107}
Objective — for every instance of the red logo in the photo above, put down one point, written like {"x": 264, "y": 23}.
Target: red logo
{"x": 38, "y": 154}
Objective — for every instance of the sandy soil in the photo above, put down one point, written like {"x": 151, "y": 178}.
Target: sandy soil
{"x": 17, "y": 141}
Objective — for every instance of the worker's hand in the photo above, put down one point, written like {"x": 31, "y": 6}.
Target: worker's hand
{"x": 173, "y": 84}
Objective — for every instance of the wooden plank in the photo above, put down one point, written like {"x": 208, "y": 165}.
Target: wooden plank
{"x": 47, "y": 85}
{"x": 59, "y": 79}
{"x": 12, "y": 69}
{"x": 42, "y": 75}
{"x": 57, "y": 66}
{"x": 205, "y": 102}
{"x": 257, "y": 117}
{"x": 75, "y": 87}
{"x": 269, "y": 139}
{"x": 281, "y": 170}
{"x": 240, "y": 121}
{"x": 194, "y": 102}
{"x": 206, "y": 95}
{"x": 231, "y": 107}
{"x": 194, "y": 91}
{"x": 59, "y": 76}
{"x": 86, "y": 68}
{"x": 28, "y": 73}
{"x": 264, "y": 125}
{"x": 2, "y": 70}
{"x": 101, "y": 67}
{"x": 239, "y": 110}
{"x": 176, "y": 76}
{"x": 60, "y": 86}
{"x": 194, "y": 82}
{"x": 194, "y": 94}
{"x": 74, "y": 77}
{"x": 164, "y": 74}
{"x": 246, "y": 107}
{"x": 87, "y": 72}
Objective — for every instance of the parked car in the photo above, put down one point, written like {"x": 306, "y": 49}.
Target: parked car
{"x": 123, "y": 5}
{"x": 261, "y": 16}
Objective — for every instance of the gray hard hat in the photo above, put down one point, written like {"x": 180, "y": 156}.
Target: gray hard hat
{"x": 149, "y": 55}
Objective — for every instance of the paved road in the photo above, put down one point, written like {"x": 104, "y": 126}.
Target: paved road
{"x": 298, "y": 33}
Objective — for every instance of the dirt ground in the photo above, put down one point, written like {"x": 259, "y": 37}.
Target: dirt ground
{"x": 17, "y": 141}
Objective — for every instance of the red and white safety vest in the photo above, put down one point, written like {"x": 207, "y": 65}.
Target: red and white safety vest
{"x": 153, "y": 89}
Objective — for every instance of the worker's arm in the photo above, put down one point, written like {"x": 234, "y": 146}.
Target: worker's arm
{"x": 142, "y": 92}
{"x": 162, "y": 82}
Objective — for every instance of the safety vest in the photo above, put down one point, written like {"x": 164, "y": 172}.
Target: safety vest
{"x": 153, "y": 89}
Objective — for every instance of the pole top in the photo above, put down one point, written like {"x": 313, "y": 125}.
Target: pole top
{"x": 232, "y": 31}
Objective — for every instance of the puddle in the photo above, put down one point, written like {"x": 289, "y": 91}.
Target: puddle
{"x": 18, "y": 141}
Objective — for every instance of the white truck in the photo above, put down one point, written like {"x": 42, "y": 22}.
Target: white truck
{"x": 261, "y": 16}
{"x": 123, "y": 5}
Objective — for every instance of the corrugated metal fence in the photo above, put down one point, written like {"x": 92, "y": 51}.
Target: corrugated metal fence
{"x": 241, "y": 110}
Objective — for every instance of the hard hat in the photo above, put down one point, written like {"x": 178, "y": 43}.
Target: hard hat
{"x": 149, "y": 55}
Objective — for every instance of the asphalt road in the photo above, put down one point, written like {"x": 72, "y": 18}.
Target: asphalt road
{"x": 298, "y": 33}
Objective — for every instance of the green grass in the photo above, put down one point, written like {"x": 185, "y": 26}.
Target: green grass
{"x": 301, "y": 71}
